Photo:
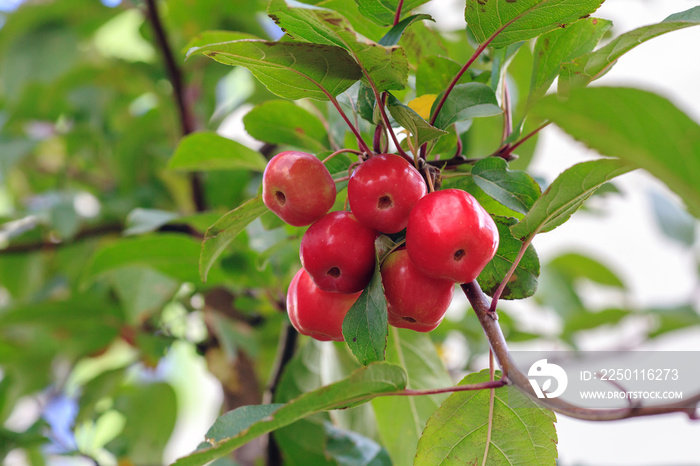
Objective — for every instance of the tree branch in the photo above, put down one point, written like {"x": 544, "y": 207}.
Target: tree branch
{"x": 520, "y": 380}
{"x": 187, "y": 120}
{"x": 87, "y": 233}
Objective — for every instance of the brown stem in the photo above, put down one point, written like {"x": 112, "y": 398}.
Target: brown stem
{"x": 94, "y": 232}
{"x": 187, "y": 120}
{"x": 285, "y": 352}
{"x": 519, "y": 379}
{"x": 87, "y": 233}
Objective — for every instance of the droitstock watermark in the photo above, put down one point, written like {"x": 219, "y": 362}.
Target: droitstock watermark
{"x": 610, "y": 379}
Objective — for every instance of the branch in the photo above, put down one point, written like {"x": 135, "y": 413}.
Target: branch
{"x": 520, "y": 380}
{"x": 285, "y": 351}
{"x": 87, "y": 233}
{"x": 187, "y": 120}
{"x": 94, "y": 232}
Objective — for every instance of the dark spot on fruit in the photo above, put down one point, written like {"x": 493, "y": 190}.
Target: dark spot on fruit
{"x": 281, "y": 198}
{"x": 409, "y": 319}
{"x": 459, "y": 254}
{"x": 384, "y": 202}
{"x": 334, "y": 272}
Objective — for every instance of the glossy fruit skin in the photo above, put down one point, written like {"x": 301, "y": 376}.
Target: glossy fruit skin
{"x": 317, "y": 313}
{"x": 383, "y": 190}
{"x": 297, "y": 187}
{"x": 338, "y": 253}
{"x": 414, "y": 300}
{"x": 450, "y": 236}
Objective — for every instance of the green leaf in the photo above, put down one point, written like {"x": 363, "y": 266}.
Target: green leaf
{"x": 673, "y": 220}
{"x": 467, "y": 183}
{"x": 142, "y": 291}
{"x": 514, "y": 189}
{"x": 574, "y": 265}
{"x": 141, "y": 221}
{"x": 290, "y": 69}
{"x": 563, "y": 45}
{"x": 209, "y": 151}
{"x": 469, "y": 100}
{"x": 434, "y": 74}
{"x": 383, "y": 12}
{"x": 225, "y": 230}
{"x": 352, "y": 449}
{"x": 394, "y": 35}
{"x": 173, "y": 255}
{"x": 566, "y": 194}
{"x": 239, "y": 420}
{"x": 522, "y": 431}
{"x": 387, "y": 67}
{"x": 365, "y": 324}
{"x": 523, "y": 282}
{"x": 523, "y": 19}
{"x": 421, "y": 130}
{"x": 236, "y": 428}
{"x": 283, "y": 122}
{"x": 580, "y": 321}
{"x": 637, "y": 126}
{"x": 206, "y": 38}
{"x": 143, "y": 440}
{"x": 670, "y": 319}
{"x": 401, "y": 419}
{"x": 581, "y": 71}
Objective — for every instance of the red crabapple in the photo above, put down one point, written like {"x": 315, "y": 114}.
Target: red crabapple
{"x": 450, "y": 236}
{"x": 383, "y": 190}
{"x": 338, "y": 253}
{"x": 414, "y": 300}
{"x": 317, "y": 313}
{"x": 297, "y": 187}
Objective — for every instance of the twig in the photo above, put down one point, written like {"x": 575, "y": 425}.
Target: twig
{"x": 341, "y": 151}
{"x": 187, "y": 121}
{"x": 87, "y": 233}
{"x": 285, "y": 351}
{"x": 519, "y": 379}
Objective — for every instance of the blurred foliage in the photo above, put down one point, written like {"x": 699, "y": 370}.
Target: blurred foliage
{"x": 105, "y": 321}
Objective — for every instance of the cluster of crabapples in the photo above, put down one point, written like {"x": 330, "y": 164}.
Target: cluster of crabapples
{"x": 449, "y": 239}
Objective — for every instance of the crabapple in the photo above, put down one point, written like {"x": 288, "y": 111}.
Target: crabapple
{"x": 317, "y": 313}
{"x": 383, "y": 190}
{"x": 414, "y": 300}
{"x": 338, "y": 253}
{"x": 450, "y": 236}
{"x": 297, "y": 187}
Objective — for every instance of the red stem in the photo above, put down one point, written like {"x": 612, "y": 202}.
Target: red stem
{"x": 397, "y": 17}
{"x": 507, "y": 113}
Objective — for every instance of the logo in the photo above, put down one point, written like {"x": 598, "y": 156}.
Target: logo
{"x": 542, "y": 369}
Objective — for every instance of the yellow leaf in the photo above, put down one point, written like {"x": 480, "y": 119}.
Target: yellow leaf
{"x": 422, "y": 105}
